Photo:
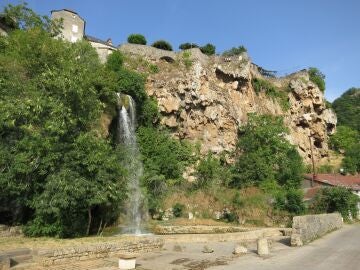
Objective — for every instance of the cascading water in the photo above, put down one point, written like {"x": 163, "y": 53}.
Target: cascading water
{"x": 126, "y": 136}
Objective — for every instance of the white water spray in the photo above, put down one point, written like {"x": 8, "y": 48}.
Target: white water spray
{"x": 126, "y": 136}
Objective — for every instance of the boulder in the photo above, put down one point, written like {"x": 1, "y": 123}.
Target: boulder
{"x": 240, "y": 249}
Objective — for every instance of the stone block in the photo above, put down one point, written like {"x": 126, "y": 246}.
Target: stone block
{"x": 127, "y": 264}
{"x": 263, "y": 247}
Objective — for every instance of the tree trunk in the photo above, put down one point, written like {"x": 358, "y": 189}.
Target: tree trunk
{"x": 89, "y": 222}
{"x": 98, "y": 232}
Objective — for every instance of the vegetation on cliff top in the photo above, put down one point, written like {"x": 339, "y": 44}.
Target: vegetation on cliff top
{"x": 317, "y": 77}
{"x": 137, "y": 39}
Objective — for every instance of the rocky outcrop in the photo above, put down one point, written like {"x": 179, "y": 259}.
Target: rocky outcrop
{"x": 208, "y": 101}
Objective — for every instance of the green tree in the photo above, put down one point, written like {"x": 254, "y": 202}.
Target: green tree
{"x": 347, "y": 108}
{"x": 234, "y": 51}
{"x": 345, "y": 138}
{"x": 336, "y": 199}
{"x": 115, "y": 61}
{"x": 187, "y": 45}
{"x": 208, "y": 49}
{"x": 351, "y": 162}
{"x": 163, "y": 45}
{"x": 24, "y": 18}
{"x": 317, "y": 77}
{"x": 55, "y": 171}
{"x": 266, "y": 154}
{"x": 136, "y": 39}
{"x": 212, "y": 171}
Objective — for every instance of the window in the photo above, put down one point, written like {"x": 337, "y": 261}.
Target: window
{"x": 75, "y": 28}
{"x": 73, "y": 39}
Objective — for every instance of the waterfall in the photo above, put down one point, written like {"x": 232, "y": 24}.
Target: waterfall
{"x": 126, "y": 136}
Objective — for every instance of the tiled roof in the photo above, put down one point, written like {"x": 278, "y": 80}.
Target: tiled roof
{"x": 97, "y": 40}
{"x": 349, "y": 181}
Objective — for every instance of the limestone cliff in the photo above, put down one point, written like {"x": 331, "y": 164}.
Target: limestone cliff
{"x": 205, "y": 99}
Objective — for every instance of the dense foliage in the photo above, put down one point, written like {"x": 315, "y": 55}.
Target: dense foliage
{"x": 55, "y": 170}
{"x": 212, "y": 171}
{"x": 266, "y": 154}
{"x": 137, "y": 39}
{"x": 347, "y": 108}
{"x": 344, "y": 139}
{"x": 347, "y": 136}
{"x": 317, "y": 77}
{"x": 187, "y": 45}
{"x": 208, "y": 49}
{"x": 164, "y": 160}
{"x": 162, "y": 44}
{"x": 336, "y": 199}
{"x": 22, "y": 17}
{"x": 234, "y": 51}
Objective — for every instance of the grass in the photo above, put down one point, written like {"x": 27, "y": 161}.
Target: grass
{"x": 8, "y": 243}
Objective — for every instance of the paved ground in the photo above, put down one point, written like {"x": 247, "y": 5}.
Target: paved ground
{"x": 338, "y": 250}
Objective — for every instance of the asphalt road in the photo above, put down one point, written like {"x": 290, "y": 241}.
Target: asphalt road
{"x": 335, "y": 251}
{"x": 338, "y": 250}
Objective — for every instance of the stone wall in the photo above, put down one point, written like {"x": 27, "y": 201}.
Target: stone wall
{"x": 147, "y": 52}
{"x": 227, "y": 237}
{"x": 137, "y": 245}
{"x": 310, "y": 227}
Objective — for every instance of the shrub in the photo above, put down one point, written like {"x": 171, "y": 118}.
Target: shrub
{"x": 163, "y": 45}
{"x": 115, "y": 61}
{"x": 211, "y": 171}
{"x": 186, "y": 46}
{"x": 208, "y": 49}
{"x": 271, "y": 91}
{"x": 153, "y": 68}
{"x": 317, "y": 77}
{"x": 234, "y": 51}
{"x": 186, "y": 59}
{"x": 137, "y": 39}
{"x": 178, "y": 209}
{"x": 336, "y": 199}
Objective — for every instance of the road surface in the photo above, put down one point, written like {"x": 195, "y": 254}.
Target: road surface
{"x": 339, "y": 250}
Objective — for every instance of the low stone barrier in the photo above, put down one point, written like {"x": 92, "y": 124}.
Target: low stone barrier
{"x": 96, "y": 251}
{"x": 252, "y": 235}
{"x": 199, "y": 229}
{"x": 310, "y": 227}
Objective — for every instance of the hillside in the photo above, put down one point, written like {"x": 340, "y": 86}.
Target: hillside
{"x": 347, "y": 108}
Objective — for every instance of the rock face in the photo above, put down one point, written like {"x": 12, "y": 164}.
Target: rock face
{"x": 209, "y": 100}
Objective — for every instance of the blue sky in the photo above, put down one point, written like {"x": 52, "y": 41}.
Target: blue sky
{"x": 282, "y": 35}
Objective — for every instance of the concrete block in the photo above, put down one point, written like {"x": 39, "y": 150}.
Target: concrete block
{"x": 127, "y": 264}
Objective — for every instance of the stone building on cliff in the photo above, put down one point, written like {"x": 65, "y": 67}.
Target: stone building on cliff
{"x": 74, "y": 30}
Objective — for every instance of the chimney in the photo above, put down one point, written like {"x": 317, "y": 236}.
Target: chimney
{"x": 109, "y": 42}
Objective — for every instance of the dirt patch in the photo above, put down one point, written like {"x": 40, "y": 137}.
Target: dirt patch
{"x": 180, "y": 261}
{"x": 200, "y": 264}
{"x": 204, "y": 264}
